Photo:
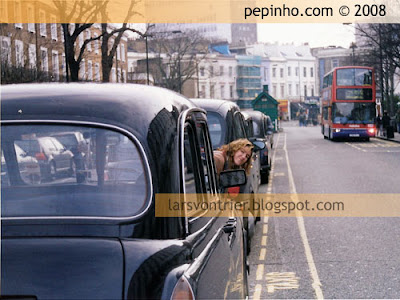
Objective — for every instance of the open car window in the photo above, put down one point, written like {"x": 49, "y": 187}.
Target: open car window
{"x": 104, "y": 177}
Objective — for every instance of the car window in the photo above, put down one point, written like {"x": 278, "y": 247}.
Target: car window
{"x": 216, "y": 128}
{"x": 238, "y": 126}
{"x": 256, "y": 129}
{"x": 107, "y": 179}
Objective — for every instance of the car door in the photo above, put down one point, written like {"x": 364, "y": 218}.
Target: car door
{"x": 219, "y": 262}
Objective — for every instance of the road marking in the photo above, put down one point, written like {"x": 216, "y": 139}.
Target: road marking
{"x": 281, "y": 281}
{"x": 260, "y": 272}
{"x": 355, "y": 147}
{"x": 257, "y": 292}
{"x": 264, "y": 241}
{"x": 280, "y": 174}
{"x": 263, "y": 253}
{"x": 265, "y": 229}
{"x": 300, "y": 221}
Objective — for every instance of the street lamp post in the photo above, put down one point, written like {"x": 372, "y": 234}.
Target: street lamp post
{"x": 353, "y": 46}
{"x": 147, "y": 60}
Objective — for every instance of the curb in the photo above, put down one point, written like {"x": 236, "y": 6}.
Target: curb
{"x": 386, "y": 139}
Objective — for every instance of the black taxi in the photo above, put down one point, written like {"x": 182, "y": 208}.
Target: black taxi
{"x": 96, "y": 235}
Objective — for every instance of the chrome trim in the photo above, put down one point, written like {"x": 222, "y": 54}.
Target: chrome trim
{"x": 103, "y": 125}
{"x": 181, "y": 135}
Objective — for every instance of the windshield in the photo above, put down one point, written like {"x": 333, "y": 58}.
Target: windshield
{"x": 353, "y": 77}
{"x": 353, "y": 113}
{"x": 216, "y": 129}
{"x": 105, "y": 178}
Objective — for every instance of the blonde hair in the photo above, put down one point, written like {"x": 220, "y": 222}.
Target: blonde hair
{"x": 230, "y": 150}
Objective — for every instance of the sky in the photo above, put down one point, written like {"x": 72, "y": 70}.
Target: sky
{"x": 317, "y": 35}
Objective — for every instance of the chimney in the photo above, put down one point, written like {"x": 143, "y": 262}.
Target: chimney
{"x": 265, "y": 88}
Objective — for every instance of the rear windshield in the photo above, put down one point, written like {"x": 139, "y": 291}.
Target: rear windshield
{"x": 105, "y": 177}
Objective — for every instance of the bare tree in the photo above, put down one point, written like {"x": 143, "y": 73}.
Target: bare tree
{"x": 382, "y": 44}
{"x": 178, "y": 56}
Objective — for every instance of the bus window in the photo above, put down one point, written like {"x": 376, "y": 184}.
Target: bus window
{"x": 351, "y": 77}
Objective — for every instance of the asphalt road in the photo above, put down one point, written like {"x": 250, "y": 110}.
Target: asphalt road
{"x": 328, "y": 257}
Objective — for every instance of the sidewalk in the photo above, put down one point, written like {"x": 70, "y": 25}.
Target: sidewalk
{"x": 395, "y": 139}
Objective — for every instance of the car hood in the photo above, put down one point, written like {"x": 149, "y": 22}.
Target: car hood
{"x": 68, "y": 268}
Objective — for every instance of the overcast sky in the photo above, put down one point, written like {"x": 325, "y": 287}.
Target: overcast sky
{"x": 317, "y": 35}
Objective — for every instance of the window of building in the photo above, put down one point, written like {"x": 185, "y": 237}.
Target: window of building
{"x": 212, "y": 91}
{"x": 230, "y": 71}
{"x": 282, "y": 91}
{"x": 19, "y": 53}
{"x": 53, "y": 28}
{"x": 312, "y": 91}
{"x": 274, "y": 91}
{"x": 222, "y": 91}
{"x": 82, "y": 71}
{"x": 290, "y": 89}
{"x": 335, "y": 63}
{"x": 97, "y": 71}
{"x": 221, "y": 70}
{"x": 42, "y": 26}
{"x": 289, "y": 71}
{"x": 203, "y": 91}
{"x": 122, "y": 52}
{"x": 56, "y": 66}
{"x": 90, "y": 70}
{"x": 88, "y": 36}
{"x": 211, "y": 71}
{"x": 273, "y": 72}
{"x": 304, "y": 71}
{"x": 113, "y": 75}
{"x": 63, "y": 68}
{"x": 44, "y": 59}
{"x": 118, "y": 52}
{"x": 305, "y": 91}
{"x": 297, "y": 71}
{"x": 231, "y": 91}
{"x": 202, "y": 71}
{"x": 281, "y": 72}
{"x": 96, "y": 43}
{"x": 32, "y": 56}
{"x": 311, "y": 72}
{"x": 297, "y": 90}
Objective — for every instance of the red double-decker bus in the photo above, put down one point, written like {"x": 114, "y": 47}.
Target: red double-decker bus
{"x": 348, "y": 103}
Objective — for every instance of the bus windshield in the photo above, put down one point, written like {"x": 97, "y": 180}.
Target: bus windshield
{"x": 353, "y": 77}
{"x": 353, "y": 113}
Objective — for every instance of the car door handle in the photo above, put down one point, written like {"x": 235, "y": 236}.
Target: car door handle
{"x": 230, "y": 225}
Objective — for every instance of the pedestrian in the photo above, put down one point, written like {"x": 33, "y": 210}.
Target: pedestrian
{"x": 398, "y": 120}
{"x": 378, "y": 123}
{"x": 385, "y": 122}
{"x": 235, "y": 155}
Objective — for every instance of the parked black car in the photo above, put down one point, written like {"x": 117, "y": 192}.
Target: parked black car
{"x": 227, "y": 124}
{"x": 100, "y": 239}
{"x": 262, "y": 130}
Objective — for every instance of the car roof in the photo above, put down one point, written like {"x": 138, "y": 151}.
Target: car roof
{"x": 254, "y": 114}
{"x": 216, "y": 105}
{"x": 129, "y": 106}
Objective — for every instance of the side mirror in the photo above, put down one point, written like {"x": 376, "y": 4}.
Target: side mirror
{"x": 258, "y": 145}
{"x": 232, "y": 178}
